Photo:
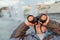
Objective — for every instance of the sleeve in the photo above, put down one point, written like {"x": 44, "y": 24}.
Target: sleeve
{"x": 53, "y": 24}
{"x": 54, "y": 27}
{"x": 21, "y": 30}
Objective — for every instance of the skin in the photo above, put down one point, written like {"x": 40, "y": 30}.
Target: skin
{"x": 39, "y": 29}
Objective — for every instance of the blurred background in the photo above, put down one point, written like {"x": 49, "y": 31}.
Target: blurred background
{"x": 13, "y": 12}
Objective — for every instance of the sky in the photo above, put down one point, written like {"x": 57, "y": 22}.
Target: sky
{"x": 8, "y": 2}
{"x": 12, "y": 2}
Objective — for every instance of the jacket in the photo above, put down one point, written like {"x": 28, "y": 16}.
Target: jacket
{"x": 54, "y": 27}
{"x": 20, "y": 31}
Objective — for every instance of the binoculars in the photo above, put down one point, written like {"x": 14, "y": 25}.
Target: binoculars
{"x": 36, "y": 19}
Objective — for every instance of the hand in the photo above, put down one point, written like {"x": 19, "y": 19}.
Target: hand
{"x": 46, "y": 21}
{"x": 40, "y": 22}
{"x": 29, "y": 24}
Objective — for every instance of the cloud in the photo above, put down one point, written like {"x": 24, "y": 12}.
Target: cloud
{"x": 49, "y": 1}
{"x": 7, "y": 3}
